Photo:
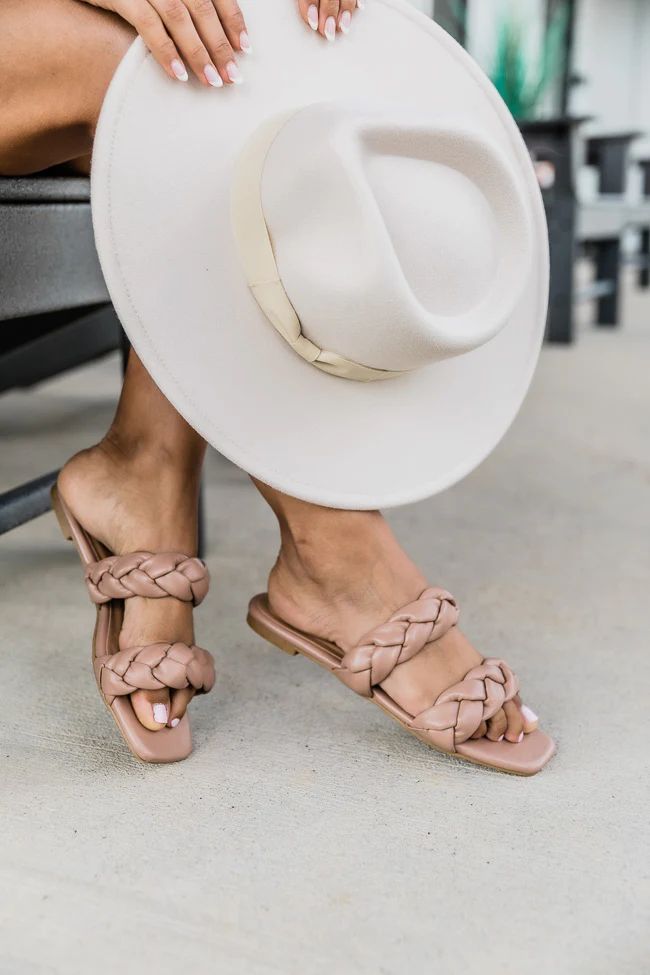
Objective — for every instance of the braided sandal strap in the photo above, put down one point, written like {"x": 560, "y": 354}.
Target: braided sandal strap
{"x": 153, "y": 667}
{"x": 403, "y": 636}
{"x": 145, "y": 574}
{"x": 460, "y": 710}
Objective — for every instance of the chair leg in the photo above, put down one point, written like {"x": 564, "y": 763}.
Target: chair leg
{"x": 26, "y": 502}
{"x": 644, "y": 272}
{"x": 608, "y": 262}
{"x": 125, "y": 348}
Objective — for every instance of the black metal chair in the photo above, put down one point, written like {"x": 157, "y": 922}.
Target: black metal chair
{"x": 55, "y": 312}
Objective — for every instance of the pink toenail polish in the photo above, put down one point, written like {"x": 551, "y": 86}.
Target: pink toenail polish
{"x": 160, "y": 713}
{"x": 528, "y": 714}
{"x": 175, "y": 722}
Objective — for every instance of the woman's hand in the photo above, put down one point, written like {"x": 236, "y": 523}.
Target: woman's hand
{"x": 328, "y": 16}
{"x": 203, "y": 35}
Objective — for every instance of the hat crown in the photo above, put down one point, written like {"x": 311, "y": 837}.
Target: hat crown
{"x": 398, "y": 240}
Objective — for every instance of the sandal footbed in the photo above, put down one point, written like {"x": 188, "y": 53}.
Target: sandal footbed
{"x": 522, "y": 758}
{"x": 156, "y": 747}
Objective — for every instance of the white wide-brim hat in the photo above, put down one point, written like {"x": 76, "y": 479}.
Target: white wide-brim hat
{"x": 338, "y": 271}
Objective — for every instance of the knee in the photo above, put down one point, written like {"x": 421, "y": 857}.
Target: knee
{"x": 54, "y": 77}
{"x": 106, "y": 39}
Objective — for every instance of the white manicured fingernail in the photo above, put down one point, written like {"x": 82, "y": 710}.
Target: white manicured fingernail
{"x": 245, "y": 43}
{"x": 330, "y": 28}
{"x": 528, "y": 714}
{"x": 312, "y": 17}
{"x": 234, "y": 73}
{"x": 160, "y": 713}
{"x": 521, "y": 737}
{"x": 361, "y": 4}
{"x": 175, "y": 722}
{"x": 212, "y": 76}
{"x": 179, "y": 70}
{"x": 345, "y": 22}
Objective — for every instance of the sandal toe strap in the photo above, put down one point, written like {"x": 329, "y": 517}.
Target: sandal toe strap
{"x": 403, "y": 636}
{"x": 154, "y": 667}
{"x": 145, "y": 574}
{"x": 459, "y": 711}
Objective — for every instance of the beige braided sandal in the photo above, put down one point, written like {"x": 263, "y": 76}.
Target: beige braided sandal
{"x": 110, "y": 580}
{"x": 450, "y": 722}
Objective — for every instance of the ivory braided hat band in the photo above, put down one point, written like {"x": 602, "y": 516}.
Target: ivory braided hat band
{"x": 259, "y": 264}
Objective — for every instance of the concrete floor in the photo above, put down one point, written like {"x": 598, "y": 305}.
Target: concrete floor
{"x": 308, "y": 834}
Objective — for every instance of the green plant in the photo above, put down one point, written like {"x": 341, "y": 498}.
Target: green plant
{"x": 522, "y": 87}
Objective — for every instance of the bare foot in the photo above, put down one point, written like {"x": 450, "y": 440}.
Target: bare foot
{"x": 341, "y": 574}
{"x": 139, "y": 503}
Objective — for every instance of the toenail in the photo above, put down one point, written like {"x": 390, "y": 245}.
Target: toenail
{"x": 520, "y": 738}
{"x": 528, "y": 713}
{"x": 502, "y": 737}
{"x": 175, "y": 722}
{"x": 160, "y": 714}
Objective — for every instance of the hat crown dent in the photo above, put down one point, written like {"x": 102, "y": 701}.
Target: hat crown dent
{"x": 399, "y": 240}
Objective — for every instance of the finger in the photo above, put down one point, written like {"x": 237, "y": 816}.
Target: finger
{"x": 178, "y": 23}
{"x": 210, "y": 28}
{"x": 179, "y": 702}
{"x": 497, "y": 726}
{"x": 480, "y": 731}
{"x": 309, "y": 12}
{"x": 232, "y": 21}
{"x": 328, "y": 15}
{"x": 515, "y": 730}
{"x": 151, "y": 29}
{"x": 345, "y": 17}
{"x": 176, "y": 18}
{"x": 151, "y": 708}
{"x": 531, "y": 721}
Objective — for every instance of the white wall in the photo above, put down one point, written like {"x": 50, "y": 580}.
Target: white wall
{"x": 612, "y": 51}
{"x": 426, "y": 6}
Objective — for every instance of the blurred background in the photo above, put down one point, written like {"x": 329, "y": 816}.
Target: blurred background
{"x": 348, "y": 846}
{"x": 575, "y": 74}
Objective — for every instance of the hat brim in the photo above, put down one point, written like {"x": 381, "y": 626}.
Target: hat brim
{"x": 161, "y": 178}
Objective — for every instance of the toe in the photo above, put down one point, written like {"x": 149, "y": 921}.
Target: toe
{"x": 530, "y": 719}
{"x": 179, "y": 702}
{"x": 151, "y": 708}
{"x": 497, "y": 726}
{"x": 515, "y": 731}
{"x": 480, "y": 731}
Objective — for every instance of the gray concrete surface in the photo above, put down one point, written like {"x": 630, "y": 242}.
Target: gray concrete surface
{"x": 308, "y": 833}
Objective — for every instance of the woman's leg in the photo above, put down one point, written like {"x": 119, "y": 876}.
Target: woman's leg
{"x": 57, "y": 58}
{"x": 341, "y": 573}
{"x": 138, "y": 488}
